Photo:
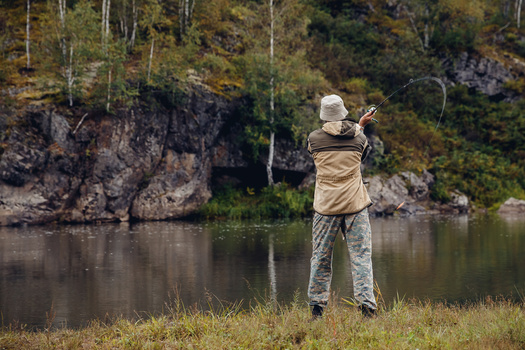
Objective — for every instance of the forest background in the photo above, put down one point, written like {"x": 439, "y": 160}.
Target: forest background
{"x": 281, "y": 57}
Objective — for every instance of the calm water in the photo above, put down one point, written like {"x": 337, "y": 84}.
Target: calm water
{"x": 88, "y": 272}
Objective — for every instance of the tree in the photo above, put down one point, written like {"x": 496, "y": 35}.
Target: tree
{"x": 70, "y": 44}
{"x": 104, "y": 33}
{"x": 518, "y": 12}
{"x": 154, "y": 22}
{"x": 275, "y": 72}
{"x": 272, "y": 100}
{"x": 186, "y": 8}
{"x": 28, "y": 25}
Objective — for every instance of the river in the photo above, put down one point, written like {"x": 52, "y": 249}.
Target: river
{"x": 78, "y": 273}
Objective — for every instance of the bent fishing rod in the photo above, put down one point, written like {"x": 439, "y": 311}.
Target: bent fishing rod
{"x": 410, "y": 82}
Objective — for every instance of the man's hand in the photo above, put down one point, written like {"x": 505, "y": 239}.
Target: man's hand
{"x": 367, "y": 118}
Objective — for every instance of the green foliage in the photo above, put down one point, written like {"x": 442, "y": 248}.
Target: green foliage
{"x": 456, "y": 39}
{"x": 278, "y": 201}
{"x": 68, "y": 47}
{"x": 112, "y": 87}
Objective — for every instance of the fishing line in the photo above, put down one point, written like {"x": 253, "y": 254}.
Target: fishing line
{"x": 410, "y": 82}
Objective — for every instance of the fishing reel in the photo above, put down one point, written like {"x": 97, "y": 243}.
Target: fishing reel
{"x": 372, "y": 108}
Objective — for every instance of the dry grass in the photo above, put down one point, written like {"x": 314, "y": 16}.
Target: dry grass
{"x": 489, "y": 324}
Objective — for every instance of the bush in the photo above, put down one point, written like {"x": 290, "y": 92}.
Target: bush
{"x": 280, "y": 201}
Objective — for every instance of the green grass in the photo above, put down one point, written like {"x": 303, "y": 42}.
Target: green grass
{"x": 488, "y": 324}
{"x": 279, "y": 201}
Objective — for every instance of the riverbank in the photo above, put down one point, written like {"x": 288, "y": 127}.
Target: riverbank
{"x": 487, "y": 324}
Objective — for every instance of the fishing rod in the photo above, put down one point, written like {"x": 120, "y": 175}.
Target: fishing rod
{"x": 410, "y": 82}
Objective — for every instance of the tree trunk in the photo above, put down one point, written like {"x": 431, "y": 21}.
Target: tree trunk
{"x": 426, "y": 31}
{"x": 70, "y": 76}
{"x": 134, "y": 30}
{"x": 506, "y": 8}
{"x": 62, "y": 13}
{"x": 181, "y": 17}
{"x": 107, "y": 19}
{"x": 103, "y": 28}
{"x": 185, "y": 14}
{"x": 518, "y": 12}
{"x": 28, "y": 64}
{"x": 415, "y": 29}
{"x": 150, "y": 58}
{"x": 272, "y": 103}
{"x": 105, "y": 23}
{"x": 126, "y": 26}
{"x": 109, "y": 90}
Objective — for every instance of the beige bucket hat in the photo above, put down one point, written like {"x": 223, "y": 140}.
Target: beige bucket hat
{"x": 333, "y": 108}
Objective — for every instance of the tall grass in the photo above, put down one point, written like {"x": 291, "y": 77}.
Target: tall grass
{"x": 487, "y": 324}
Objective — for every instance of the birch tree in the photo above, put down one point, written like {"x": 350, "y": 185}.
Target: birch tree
{"x": 271, "y": 151}
{"x": 28, "y": 26}
{"x": 274, "y": 69}
{"x": 154, "y": 22}
{"x": 422, "y": 17}
{"x": 106, "y": 5}
{"x": 70, "y": 43}
{"x": 518, "y": 12}
{"x": 186, "y": 8}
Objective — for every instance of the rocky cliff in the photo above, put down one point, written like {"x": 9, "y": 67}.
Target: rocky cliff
{"x": 148, "y": 162}
{"x": 143, "y": 163}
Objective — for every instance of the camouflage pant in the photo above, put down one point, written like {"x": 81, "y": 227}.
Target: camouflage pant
{"x": 356, "y": 228}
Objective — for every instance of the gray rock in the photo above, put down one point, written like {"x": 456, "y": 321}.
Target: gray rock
{"x": 512, "y": 206}
{"x": 406, "y": 193}
{"x": 386, "y": 195}
{"x": 482, "y": 74}
{"x": 416, "y": 186}
{"x": 459, "y": 201}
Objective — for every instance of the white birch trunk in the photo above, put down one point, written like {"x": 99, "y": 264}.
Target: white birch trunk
{"x": 107, "y": 19}
{"x": 415, "y": 29}
{"x": 28, "y": 65}
{"x": 186, "y": 14}
{"x": 135, "y": 21}
{"x": 150, "y": 58}
{"x": 70, "y": 76}
{"x": 272, "y": 102}
{"x": 62, "y": 13}
{"x": 191, "y": 9}
{"x": 518, "y": 12}
{"x": 109, "y": 91}
{"x": 103, "y": 28}
{"x": 105, "y": 23}
{"x": 124, "y": 21}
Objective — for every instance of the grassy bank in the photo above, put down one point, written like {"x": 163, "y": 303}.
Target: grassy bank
{"x": 488, "y": 324}
{"x": 279, "y": 201}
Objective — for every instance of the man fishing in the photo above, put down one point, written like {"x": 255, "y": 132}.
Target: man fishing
{"x": 341, "y": 201}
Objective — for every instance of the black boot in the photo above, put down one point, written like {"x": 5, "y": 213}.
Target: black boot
{"x": 317, "y": 312}
{"x": 367, "y": 311}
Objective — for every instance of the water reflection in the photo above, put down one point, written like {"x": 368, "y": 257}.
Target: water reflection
{"x": 86, "y": 272}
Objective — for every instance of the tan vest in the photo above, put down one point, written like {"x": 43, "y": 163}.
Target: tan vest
{"x": 337, "y": 150}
